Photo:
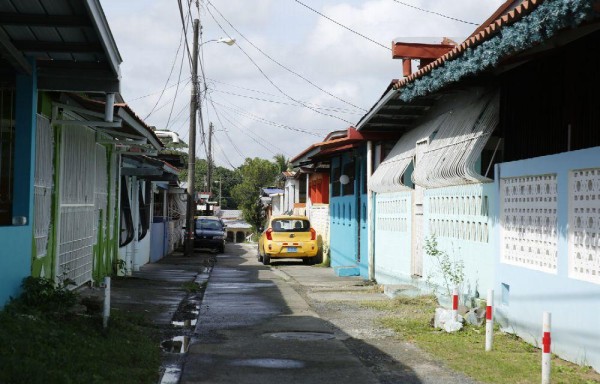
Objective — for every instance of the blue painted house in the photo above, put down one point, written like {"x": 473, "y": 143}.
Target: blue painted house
{"x": 345, "y": 153}
{"x": 499, "y": 159}
{"x": 63, "y": 132}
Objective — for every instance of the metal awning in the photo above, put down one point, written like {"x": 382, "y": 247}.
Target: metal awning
{"x": 69, "y": 40}
{"x": 390, "y": 114}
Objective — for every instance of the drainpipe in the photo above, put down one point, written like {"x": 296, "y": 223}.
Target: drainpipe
{"x": 135, "y": 214}
{"x": 370, "y": 248}
{"x": 173, "y": 135}
{"x": 109, "y": 107}
{"x": 166, "y": 222}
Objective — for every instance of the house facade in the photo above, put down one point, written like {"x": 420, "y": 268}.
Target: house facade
{"x": 34, "y": 128}
{"x": 498, "y": 160}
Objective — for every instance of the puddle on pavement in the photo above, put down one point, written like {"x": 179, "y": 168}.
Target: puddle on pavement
{"x": 171, "y": 376}
{"x": 302, "y": 336}
{"x": 269, "y": 363}
{"x": 184, "y": 323}
{"x": 178, "y": 344}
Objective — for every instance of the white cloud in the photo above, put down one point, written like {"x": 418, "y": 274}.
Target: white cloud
{"x": 148, "y": 32}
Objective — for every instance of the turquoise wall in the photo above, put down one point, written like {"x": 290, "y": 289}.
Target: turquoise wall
{"x": 347, "y": 221}
{"x": 16, "y": 248}
{"x": 522, "y": 294}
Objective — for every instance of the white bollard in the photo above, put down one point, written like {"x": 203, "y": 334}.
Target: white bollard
{"x": 106, "y": 311}
{"x": 455, "y": 304}
{"x": 546, "y": 349}
{"x": 489, "y": 321}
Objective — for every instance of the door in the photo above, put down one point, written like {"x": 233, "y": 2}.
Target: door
{"x": 417, "y": 217}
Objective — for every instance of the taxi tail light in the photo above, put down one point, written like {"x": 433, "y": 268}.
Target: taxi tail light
{"x": 313, "y": 234}
{"x": 269, "y": 234}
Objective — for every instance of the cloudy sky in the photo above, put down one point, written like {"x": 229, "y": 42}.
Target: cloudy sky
{"x": 312, "y": 76}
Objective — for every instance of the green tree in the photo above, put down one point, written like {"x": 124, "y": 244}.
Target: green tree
{"x": 282, "y": 162}
{"x": 255, "y": 173}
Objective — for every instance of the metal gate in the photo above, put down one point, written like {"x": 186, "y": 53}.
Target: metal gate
{"x": 44, "y": 173}
{"x": 76, "y": 204}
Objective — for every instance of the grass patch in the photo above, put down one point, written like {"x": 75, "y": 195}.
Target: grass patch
{"x": 511, "y": 361}
{"x": 40, "y": 345}
{"x": 192, "y": 287}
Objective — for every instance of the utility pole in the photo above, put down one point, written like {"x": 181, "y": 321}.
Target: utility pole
{"x": 194, "y": 107}
{"x": 209, "y": 158}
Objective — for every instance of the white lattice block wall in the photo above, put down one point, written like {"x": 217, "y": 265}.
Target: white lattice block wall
{"x": 528, "y": 221}
{"x": 393, "y": 215}
{"x": 584, "y": 225}
{"x": 319, "y": 219}
{"x": 461, "y": 215}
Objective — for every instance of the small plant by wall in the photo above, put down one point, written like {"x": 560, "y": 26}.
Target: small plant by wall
{"x": 446, "y": 270}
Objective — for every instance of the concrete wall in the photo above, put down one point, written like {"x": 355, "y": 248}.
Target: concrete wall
{"x": 157, "y": 241}
{"x": 393, "y": 222}
{"x": 462, "y": 218}
{"x": 554, "y": 264}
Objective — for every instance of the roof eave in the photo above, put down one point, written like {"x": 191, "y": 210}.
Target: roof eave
{"x": 107, "y": 40}
{"x": 139, "y": 127}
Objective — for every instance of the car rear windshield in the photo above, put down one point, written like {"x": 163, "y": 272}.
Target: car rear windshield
{"x": 290, "y": 225}
{"x": 209, "y": 224}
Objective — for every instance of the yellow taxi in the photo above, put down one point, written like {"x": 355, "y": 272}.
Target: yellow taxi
{"x": 288, "y": 237}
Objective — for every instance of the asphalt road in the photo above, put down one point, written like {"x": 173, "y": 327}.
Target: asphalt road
{"x": 290, "y": 323}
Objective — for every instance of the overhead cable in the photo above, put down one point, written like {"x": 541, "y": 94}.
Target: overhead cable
{"x": 270, "y": 80}
{"x": 343, "y": 26}
{"x": 281, "y": 65}
{"x": 435, "y": 13}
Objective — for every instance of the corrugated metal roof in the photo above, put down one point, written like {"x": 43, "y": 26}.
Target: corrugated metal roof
{"x": 69, "y": 39}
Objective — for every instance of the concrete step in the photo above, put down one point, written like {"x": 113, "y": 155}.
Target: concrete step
{"x": 343, "y": 271}
{"x": 395, "y": 290}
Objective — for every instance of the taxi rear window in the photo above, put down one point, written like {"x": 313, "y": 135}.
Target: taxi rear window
{"x": 290, "y": 225}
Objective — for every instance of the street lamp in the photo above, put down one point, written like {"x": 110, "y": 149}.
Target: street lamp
{"x": 195, "y": 106}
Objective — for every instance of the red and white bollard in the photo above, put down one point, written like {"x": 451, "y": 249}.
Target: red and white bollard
{"x": 455, "y": 304}
{"x": 489, "y": 321}
{"x": 546, "y": 349}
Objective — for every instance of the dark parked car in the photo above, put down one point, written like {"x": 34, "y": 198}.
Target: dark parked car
{"x": 209, "y": 233}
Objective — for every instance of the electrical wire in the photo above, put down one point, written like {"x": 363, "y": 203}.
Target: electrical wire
{"x": 169, "y": 77}
{"x": 157, "y": 92}
{"x": 342, "y": 25}
{"x": 281, "y": 65}
{"x": 252, "y": 116}
{"x": 332, "y": 109}
{"x": 434, "y": 13}
{"x": 270, "y": 80}
{"x": 183, "y": 22}
{"x": 176, "y": 90}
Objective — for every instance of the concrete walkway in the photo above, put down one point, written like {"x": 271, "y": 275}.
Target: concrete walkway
{"x": 255, "y": 328}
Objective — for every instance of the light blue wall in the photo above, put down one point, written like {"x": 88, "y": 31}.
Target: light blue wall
{"x": 462, "y": 218}
{"x": 157, "y": 241}
{"x": 393, "y": 223}
{"x": 574, "y": 304}
{"x": 345, "y": 222}
{"x": 16, "y": 241}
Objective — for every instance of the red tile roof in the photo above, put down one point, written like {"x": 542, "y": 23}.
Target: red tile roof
{"x": 499, "y": 19}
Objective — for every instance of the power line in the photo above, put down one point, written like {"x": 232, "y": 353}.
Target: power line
{"x": 333, "y": 109}
{"x": 169, "y": 77}
{"x": 176, "y": 90}
{"x": 281, "y": 65}
{"x": 342, "y": 25}
{"x": 183, "y": 22}
{"x": 271, "y": 81}
{"x": 263, "y": 120}
{"x": 157, "y": 92}
{"x": 223, "y": 153}
{"x": 434, "y": 13}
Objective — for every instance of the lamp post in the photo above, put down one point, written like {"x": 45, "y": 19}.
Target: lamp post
{"x": 194, "y": 107}
{"x": 220, "y": 183}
